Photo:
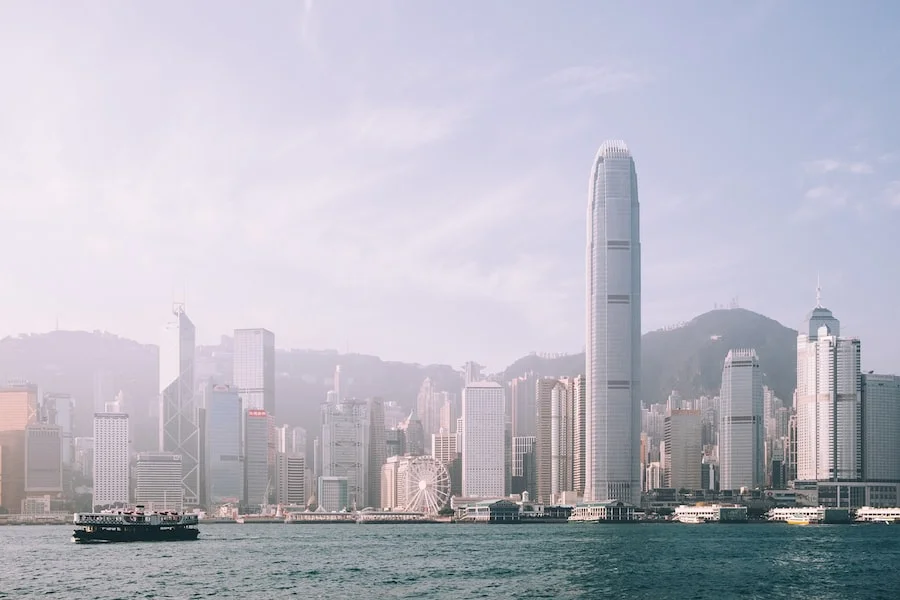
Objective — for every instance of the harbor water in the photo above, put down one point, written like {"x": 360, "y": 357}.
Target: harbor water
{"x": 462, "y": 561}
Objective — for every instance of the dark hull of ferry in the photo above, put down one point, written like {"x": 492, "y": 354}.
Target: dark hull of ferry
{"x": 135, "y": 534}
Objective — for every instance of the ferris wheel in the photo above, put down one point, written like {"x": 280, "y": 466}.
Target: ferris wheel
{"x": 427, "y": 485}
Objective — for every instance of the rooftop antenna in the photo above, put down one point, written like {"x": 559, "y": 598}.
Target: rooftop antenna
{"x": 818, "y": 292}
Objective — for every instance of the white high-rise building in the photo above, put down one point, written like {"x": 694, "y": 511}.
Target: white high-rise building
{"x": 881, "y": 427}
{"x": 741, "y": 433}
{"x": 178, "y": 415}
{"x": 828, "y": 401}
{"x": 613, "y": 345}
{"x": 290, "y": 479}
{"x": 483, "y": 440}
{"x": 254, "y": 368}
{"x": 110, "y": 459}
{"x": 683, "y": 451}
{"x": 157, "y": 483}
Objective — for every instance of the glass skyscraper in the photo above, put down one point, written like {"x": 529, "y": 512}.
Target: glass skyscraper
{"x": 741, "y": 432}
{"x": 613, "y": 345}
{"x": 178, "y": 415}
{"x": 224, "y": 459}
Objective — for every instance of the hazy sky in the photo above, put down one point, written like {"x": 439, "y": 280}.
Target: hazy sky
{"x": 410, "y": 178}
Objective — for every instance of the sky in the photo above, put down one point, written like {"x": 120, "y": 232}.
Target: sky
{"x": 409, "y": 179}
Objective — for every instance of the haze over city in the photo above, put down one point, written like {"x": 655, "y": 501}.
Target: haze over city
{"x": 409, "y": 179}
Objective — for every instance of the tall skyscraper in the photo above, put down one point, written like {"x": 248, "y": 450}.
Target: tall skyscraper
{"x": 543, "y": 450}
{"x": 254, "y": 368}
{"x": 60, "y": 409}
{"x": 524, "y": 466}
{"x": 828, "y": 400}
{"x": 377, "y": 453}
{"x": 290, "y": 479}
{"x": 683, "y": 450}
{"x": 224, "y": 439}
{"x": 111, "y": 468}
{"x": 741, "y": 435}
{"x": 881, "y": 427}
{"x": 613, "y": 345}
{"x": 346, "y": 447}
{"x": 257, "y": 485}
{"x": 18, "y": 410}
{"x": 178, "y": 414}
{"x": 483, "y": 439}
{"x": 43, "y": 459}
{"x": 579, "y": 433}
{"x": 522, "y": 408}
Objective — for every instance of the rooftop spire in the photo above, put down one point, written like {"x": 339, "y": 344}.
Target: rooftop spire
{"x": 818, "y": 292}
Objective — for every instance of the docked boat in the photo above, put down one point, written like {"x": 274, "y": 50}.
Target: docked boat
{"x": 801, "y": 520}
{"x": 134, "y": 525}
{"x": 692, "y": 520}
{"x": 259, "y": 519}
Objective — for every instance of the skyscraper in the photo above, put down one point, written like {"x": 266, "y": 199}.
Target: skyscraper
{"x": 613, "y": 345}
{"x": 257, "y": 485}
{"x": 43, "y": 459}
{"x": 346, "y": 447}
{"x": 224, "y": 439}
{"x": 741, "y": 434}
{"x": 254, "y": 368}
{"x": 178, "y": 414}
{"x": 828, "y": 400}
{"x": 158, "y": 481}
{"x": 683, "y": 450}
{"x": 111, "y": 477}
{"x": 18, "y": 410}
{"x": 881, "y": 427}
{"x": 483, "y": 439}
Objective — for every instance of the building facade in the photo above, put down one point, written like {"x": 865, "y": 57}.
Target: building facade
{"x": 829, "y": 445}
{"x": 483, "y": 440}
{"x": 254, "y": 368}
{"x": 881, "y": 427}
{"x": 157, "y": 481}
{"x": 224, "y": 441}
{"x": 741, "y": 430}
{"x": 111, "y": 459}
{"x": 290, "y": 479}
{"x": 683, "y": 449}
{"x": 346, "y": 447}
{"x": 613, "y": 344}
{"x": 257, "y": 486}
{"x": 179, "y": 414}
{"x": 43, "y": 459}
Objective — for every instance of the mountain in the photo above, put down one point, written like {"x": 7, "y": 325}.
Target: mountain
{"x": 689, "y": 358}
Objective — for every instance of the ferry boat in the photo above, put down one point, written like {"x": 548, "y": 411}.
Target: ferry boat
{"x": 692, "y": 519}
{"x": 802, "y": 520}
{"x": 134, "y": 525}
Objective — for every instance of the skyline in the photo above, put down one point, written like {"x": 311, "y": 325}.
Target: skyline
{"x": 208, "y": 152}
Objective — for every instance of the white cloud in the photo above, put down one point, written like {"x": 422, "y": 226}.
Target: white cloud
{"x": 892, "y": 194}
{"x": 830, "y": 165}
{"x": 584, "y": 80}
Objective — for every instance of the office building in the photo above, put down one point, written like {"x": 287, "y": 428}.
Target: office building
{"x": 483, "y": 438}
{"x": 543, "y": 402}
{"x": 346, "y": 447}
{"x": 613, "y": 344}
{"x": 18, "y": 409}
{"x": 828, "y": 400}
{"x": 524, "y": 466}
{"x": 522, "y": 406}
{"x": 157, "y": 478}
{"x": 43, "y": 459}
{"x": 257, "y": 485}
{"x": 224, "y": 441}
{"x": 333, "y": 494}
{"x": 881, "y": 427}
{"x": 178, "y": 414}
{"x": 683, "y": 450}
{"x": 579, "y": 433}
{"x": 59, "y": 410}
{"x": 254, "y": 368}
{"x": 111, "y": 458}
{"x": 290, "y": 479}
{"x": 741, "y": 434}
{"x": 377, "y": 452}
